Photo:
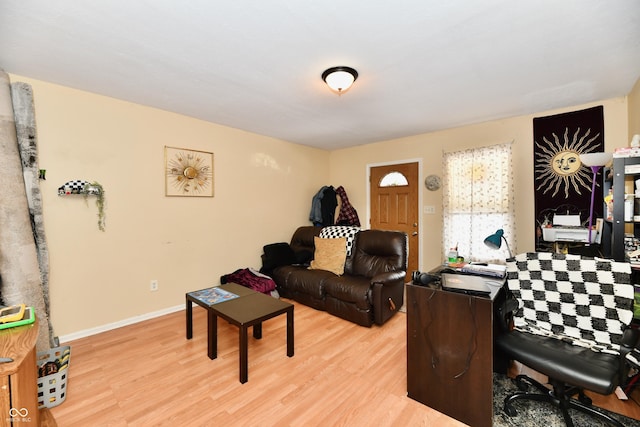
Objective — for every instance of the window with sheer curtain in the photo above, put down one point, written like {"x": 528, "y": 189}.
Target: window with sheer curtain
{"x": 478, "y": 200}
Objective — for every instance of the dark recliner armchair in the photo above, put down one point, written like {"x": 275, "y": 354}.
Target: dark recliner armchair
{"x": 571, "y": 324}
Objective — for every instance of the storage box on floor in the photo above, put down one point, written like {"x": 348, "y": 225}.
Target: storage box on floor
{"x": 53, "y": 368}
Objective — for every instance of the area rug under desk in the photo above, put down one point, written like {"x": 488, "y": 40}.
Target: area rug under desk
{"x": 534, "y": 414}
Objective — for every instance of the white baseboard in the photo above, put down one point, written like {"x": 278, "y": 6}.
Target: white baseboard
{"x": 119, "y": 324}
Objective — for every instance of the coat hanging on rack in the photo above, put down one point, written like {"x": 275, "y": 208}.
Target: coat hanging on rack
{"x": 347, "y": 214}
{"x": 329, "y": 205}
{"x": 323, "y": 207}
{"x": 315, "y": 216}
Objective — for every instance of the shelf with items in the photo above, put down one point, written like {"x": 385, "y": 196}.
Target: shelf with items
{"x": 85, "y": 189}
{"x": 624, "y": 230}
{"x": 625, "y": 223}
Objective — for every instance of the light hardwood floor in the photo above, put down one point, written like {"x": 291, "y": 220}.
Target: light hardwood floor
{"x": 148, "y": 374}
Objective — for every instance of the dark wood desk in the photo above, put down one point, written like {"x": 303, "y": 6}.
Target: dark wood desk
{"x": 249, "y": 309}
{"x": 450, "y": 352}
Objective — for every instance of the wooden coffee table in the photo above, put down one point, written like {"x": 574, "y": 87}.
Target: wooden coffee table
{"x": 250, "y": 308}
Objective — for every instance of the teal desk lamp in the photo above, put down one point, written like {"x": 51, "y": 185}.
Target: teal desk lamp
{"x": 495, "y": 241}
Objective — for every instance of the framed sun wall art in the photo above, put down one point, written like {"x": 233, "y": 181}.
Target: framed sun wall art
{"x": 188, "y": 173}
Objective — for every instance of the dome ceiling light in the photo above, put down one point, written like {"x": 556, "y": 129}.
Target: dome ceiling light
{"x": 339, "y": 79}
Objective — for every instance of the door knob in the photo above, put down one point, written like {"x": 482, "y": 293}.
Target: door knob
{"x": 415, "y": 233}
{"x": 415, "y": 224}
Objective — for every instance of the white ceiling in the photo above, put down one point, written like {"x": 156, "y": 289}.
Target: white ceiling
{"x": 255, "y": 65}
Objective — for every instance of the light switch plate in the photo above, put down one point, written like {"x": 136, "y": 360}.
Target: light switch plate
{"x": 429, "y": 209}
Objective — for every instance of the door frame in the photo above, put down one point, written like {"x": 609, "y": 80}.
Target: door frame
{"x": 420, "y": 199}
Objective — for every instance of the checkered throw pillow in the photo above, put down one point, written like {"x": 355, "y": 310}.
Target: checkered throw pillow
{"x": 584, "y": 301}
{"x": 337, "y": 231}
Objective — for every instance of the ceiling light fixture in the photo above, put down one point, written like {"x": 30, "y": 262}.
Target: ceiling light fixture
{"x": 339, "y": 79}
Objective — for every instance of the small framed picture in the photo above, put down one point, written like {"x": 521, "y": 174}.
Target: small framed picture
{"x": 188, "y": 173}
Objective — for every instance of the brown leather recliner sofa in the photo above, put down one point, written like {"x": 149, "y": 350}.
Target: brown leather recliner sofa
{"x": 371, "y": 290}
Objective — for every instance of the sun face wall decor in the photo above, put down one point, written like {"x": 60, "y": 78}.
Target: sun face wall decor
{"x": 562, "y": 183}
{"x": 188, "y": 173}
{"x": 558, "y": 166}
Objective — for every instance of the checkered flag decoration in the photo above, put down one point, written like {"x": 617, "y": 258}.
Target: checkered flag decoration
{"x": 585, "y": 301}
{"x": 337, "y": 231}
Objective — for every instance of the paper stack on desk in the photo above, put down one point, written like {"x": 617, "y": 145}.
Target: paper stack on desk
{"x": 493, "y": 270}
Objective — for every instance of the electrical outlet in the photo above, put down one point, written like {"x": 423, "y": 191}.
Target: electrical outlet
{"x": 153, "y": 286}
{"x": 429, "y": 209}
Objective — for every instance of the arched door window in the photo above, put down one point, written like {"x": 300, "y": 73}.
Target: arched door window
{"x": 393, "y": 179}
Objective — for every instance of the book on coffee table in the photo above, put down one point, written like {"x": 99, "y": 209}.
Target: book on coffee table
{"x": 213, "y": 295}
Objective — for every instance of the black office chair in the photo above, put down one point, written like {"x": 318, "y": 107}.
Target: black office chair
{"x": 571, "y": 324}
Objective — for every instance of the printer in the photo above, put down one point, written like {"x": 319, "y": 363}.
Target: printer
{"x": 567, "y": 228}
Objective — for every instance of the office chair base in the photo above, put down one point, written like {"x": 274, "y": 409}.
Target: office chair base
{"x": 558, "y": 397}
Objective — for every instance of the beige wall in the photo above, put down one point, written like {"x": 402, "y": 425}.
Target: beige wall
{"x": 634, "y": 110}
{"x": 348, "y": 167}
{"x": 263, "y": 190}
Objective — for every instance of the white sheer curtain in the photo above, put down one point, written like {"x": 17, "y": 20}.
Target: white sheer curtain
{"x": 478, "y": 200}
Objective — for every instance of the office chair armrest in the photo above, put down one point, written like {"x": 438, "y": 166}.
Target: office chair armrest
{"x": 630, "y": 339}
{"x": 505, "y": 312}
